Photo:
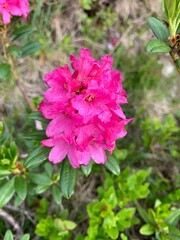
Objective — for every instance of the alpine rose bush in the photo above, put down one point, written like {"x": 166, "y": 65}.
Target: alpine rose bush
{"x": 10, "y": 8}
{"x": 83, "y": 105}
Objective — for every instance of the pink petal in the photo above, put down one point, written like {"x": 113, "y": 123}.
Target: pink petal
{"x": 58, "y": 153}
{"x": 98, "y": 154}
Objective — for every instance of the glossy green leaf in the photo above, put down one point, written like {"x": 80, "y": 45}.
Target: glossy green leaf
{"x": 159, "y": 29}
{"x": 7, "y": 191}
{"x": 156, "y": 46}
{"x": 20, "y": 185}
{"x": 87, "y": 169}
{"x": 147, "y": 229}
{"x": 5, "y": 71}
{"x": 30, "y": 48}
{"x": 25, "y": 237}
{"x": 8, "y": 235}
{"x": 36, "y": 157}
{"x": 22, "y": 31}
{"x": 56, "y": 194}
{"x": 112, "y": 165}
{"x": 67, "y": 179}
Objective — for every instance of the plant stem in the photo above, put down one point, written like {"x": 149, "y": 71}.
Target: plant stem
{"x": 175, "y": 55}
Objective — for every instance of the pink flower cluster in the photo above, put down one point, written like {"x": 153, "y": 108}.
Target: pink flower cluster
{"x": 84, "y": 108}
{"x": 10, "y": 8}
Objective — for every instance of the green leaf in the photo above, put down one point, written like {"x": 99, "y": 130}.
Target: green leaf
{"x": 174, "y": 217}
{"x": 15, "y": 51}
{"x": 41, "y": 188}
{"x": 36, "y": 157}
{"x": 56, "y": 194}
{"x": 4, "y": 174}
{"x": 5, "y": 71}
{"x": 8, "y": 235}
{"x": 20, "y": 185}
{"x": 30, "y": 48}
{"x": 147, "y": 229}
{"x": 87, "y": 169}
{"x": 38, "y": 135}
{"x": 144, "y": 214}
{"x": 22, "y": 31}
{"x": 25, "y": 237}
{"x": 159, "y": 29}
{"x": 67, "y": 179}
{"x": 174, "y": 233}
{"x": 38, "y": 116}
{"x": 113, "y": 233}
{"x": 156, "y": 46}
{"x": 112, "y": 165}
{"x": 7, "y": 191}
{"x": 69, "y": 225}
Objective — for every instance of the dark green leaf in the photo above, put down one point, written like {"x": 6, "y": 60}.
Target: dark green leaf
{"x": 5, "y": 71}
{"x": 38, "y": 135}
{"x": 87, "y": 169}
{"x": 7, "y": 191}
{"x": 20, "y": 185}
{"x": 30, "y": 48}
{"x": 112, "y": 165}
{"x": 8, "y": 235}
{"x": 38, "y": 116}
{"x": 19, "y": 32}
{"x": 67, "y": 179}
{"x": 156, "y": 46}
{"x": 15, "y": 51}
{"x": 40, "y": 179}
{"x": 36, "y": 157}
{"x": 159, "y": 29}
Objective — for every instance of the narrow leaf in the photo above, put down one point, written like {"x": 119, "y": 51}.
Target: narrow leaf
{"x": 144, "y": 214}
{"x": 156, "y": 46}
{"x": 67, "y": 179}
{"x": 20, "y": 185}
{"x": 159, "y": 29}
{"x": 22, "y": 31}
{"x": 87, "y": 169}
{"x": 7, "y": 191}
{"x": 36, "y": 157}
{"x": 38, "y": 116}
{"x": 112, "y": 165}
{"x": 174, "y": 217}
{"x": 30, "y": 48}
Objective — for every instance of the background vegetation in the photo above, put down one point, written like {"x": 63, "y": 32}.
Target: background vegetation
{"x": 139, "y": 202}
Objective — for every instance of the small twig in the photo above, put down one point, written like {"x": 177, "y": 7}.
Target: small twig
{"x": 7, "y": 217}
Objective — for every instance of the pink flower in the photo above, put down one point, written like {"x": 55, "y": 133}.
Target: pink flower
{"x": 10, "y": 8}
{"x": 83, "y": 106}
